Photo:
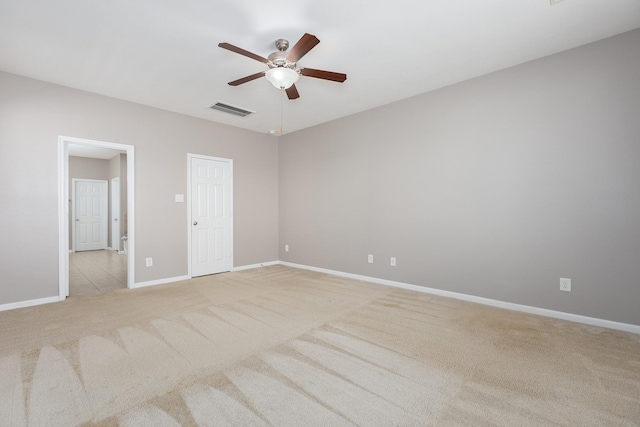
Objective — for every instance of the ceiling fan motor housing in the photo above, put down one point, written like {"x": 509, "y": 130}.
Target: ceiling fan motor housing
{"x": 279, "y": 59}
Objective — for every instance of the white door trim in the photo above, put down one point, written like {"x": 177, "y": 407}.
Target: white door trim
{"x": 74, "y": 206}
{"x": 115, "y": 214}
{"x": 189, "y": 218}
{"x": 63, "y": 208}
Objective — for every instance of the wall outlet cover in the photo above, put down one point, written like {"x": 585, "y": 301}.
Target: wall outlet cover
{"x": 565, "y": 284}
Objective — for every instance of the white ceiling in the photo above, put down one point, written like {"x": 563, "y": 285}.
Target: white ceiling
{"x": 164, "y": 53}
{"x": 78, "y": 150}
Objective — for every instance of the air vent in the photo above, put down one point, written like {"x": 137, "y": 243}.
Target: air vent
{"x": 231, "y": 109}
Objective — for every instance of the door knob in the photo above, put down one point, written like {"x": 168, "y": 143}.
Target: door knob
{"x": 77, "y": 219}
{"x": 115, "y": 219}
{"x": 195, "y": 222}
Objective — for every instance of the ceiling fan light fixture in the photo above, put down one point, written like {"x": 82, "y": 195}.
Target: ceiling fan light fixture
{"x": 281, "y": 77}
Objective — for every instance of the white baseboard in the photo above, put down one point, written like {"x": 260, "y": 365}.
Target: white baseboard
{"x": 177, "y": 279}
{"x": 160, "y": 282}
{"x": 593, "y": 321}
{"x": 30, "y": 303}
{"x": 249, "y": 267}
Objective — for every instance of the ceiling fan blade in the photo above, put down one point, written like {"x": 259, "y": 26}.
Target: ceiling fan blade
{"x": 247, "y": 79}
{"x": 292, "y": 92}
{"x": 322, "y": 74}
{"x": 304, "y": 45}
{"x": 241, "y": 51}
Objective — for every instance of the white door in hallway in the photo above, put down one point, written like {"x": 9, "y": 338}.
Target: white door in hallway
{"x": 211, "y": 215}
{"x": 90, "y": 219}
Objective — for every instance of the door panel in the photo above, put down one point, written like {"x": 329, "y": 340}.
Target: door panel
{"x": 211, "y": 216}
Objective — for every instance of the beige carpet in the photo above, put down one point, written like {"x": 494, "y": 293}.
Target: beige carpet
{"x": 286, "y": 347}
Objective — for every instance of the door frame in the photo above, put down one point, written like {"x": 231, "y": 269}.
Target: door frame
{"x": 63, "y": 208}
{"x": 115, "y": 214}
{"x": 189, "y": 213}
{"x": 105, "y": 221}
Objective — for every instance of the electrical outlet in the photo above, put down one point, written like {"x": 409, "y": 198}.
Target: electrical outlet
{"x": 370, "y": 259}
{"x": 393, "y": 261}
{"x": 286, "y": 248}
{"x": 149, "y": 262}
{"x": 565, "y": 284}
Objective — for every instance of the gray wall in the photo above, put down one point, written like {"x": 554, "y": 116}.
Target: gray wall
{"x": 32, "y": 116}
{"x": 495, "y": 187}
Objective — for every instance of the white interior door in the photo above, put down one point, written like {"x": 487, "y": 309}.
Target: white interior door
{"x": 115, "y": 214}
{"x": 90, "y": 201}
{"x": 211, "y": 215}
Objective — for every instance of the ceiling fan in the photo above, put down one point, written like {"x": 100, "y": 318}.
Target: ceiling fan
{"x": 283, "y": 69}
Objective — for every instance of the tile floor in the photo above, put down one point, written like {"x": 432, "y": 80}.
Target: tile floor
{"x": 94, "y": 272}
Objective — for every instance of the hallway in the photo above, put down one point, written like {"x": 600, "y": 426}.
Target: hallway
{"x": 95, "y": 272}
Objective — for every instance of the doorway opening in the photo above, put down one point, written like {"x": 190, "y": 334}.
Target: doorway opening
{"x": 96, "y": 254}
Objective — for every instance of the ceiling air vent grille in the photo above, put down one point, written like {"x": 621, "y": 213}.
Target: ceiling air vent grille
{"x": 231, "y": 109}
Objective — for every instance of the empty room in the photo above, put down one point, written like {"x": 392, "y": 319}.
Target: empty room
{"x": 320, "y": 213}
